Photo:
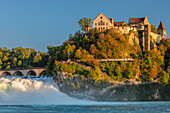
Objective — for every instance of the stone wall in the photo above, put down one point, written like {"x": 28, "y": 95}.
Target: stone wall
{"x": 156, "y": 37}
{"x": 133, "y": 38}
{"x": 125, "y": 29}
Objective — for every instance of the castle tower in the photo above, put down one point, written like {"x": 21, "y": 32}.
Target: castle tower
{"x": 147, "y": 31}
{"x": 161, "y": 30}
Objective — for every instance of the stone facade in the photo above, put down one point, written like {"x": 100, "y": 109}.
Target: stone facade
{"x": 102, "y": 22}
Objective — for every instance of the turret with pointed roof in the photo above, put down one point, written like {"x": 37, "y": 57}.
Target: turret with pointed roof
{"x": 161, "y": 26}
{"x": 161, "y": 30}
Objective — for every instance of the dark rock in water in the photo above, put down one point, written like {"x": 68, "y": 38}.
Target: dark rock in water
{"x": 141, "y": 92}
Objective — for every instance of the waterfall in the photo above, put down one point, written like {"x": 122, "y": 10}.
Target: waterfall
{"x": 33, "y": 90}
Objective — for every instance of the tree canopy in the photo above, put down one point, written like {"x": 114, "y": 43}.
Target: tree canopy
{"x": 84, "y": 22}
{"x": 21, "y": 58}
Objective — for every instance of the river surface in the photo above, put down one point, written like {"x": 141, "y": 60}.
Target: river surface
{"x": 41, "y": 95}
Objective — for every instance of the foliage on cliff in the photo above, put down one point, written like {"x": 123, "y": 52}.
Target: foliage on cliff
{"x": 110, "y": 44}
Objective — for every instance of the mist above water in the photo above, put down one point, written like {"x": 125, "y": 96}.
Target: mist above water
{"x": 31, "y": 91}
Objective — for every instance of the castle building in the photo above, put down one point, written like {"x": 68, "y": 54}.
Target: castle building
{"x": 142, "y": 25}
{"x": 102, "y": 22}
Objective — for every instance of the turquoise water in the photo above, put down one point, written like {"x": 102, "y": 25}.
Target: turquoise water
{"x": 118, "y": 107}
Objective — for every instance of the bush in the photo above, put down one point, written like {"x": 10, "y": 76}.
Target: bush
{"x": 164, "y": 78}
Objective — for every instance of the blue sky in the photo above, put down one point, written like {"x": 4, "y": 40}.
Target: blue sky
{"x": 41, "y": 23}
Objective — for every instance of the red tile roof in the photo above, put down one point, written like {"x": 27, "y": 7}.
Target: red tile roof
{"x": 161, "y": 27}
{"x": 136, "y": 20}
{"x": 68, "y": 42}
{"x": 119, "y": 23}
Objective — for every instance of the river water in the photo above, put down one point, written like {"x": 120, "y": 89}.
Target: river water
{"x": 41, "y": 95}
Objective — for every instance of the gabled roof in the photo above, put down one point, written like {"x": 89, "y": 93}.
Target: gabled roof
{"x": 111, "y": 20}
{"x": 161, "y": 27}
{"x": 119, "y": 23}
{"x": 136, "y": 20}
{"x": 103, "y": 15}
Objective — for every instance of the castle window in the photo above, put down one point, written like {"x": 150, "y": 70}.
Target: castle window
{"x": 106, "y": 27}
{"x": 98, "y": 23}
{"x": 99, "y": 28}
{"x": 95, "y": 24}
{"x": 103, "y": 27}
{"x": 103, "y": 23}
{"x": 101, "y": 17}
{"x": 106, "y": 23}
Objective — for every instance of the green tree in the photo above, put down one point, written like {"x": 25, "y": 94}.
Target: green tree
{"x": 69, "y": 49}
{"x": 164, "y": 78}
{"x": 83, "y": 55}
{"x": 84, "y": 22}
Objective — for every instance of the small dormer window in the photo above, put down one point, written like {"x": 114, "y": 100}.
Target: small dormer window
{"x": 101, "y": 17}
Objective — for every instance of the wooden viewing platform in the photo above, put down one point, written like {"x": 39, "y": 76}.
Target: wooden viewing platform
{"x": 112, "y": 60}
{"x": 115, "y": 60}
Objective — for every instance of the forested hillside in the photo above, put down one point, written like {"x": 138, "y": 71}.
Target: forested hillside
{"x": 87, "y": 48}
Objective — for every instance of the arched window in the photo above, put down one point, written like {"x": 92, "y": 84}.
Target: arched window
{"x": 101, "y": 22}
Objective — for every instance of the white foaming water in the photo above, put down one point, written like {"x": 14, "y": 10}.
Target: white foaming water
{"x": 29, "y": 91}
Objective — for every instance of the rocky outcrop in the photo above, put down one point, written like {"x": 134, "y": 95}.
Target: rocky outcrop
{"x": 127, "y": 92}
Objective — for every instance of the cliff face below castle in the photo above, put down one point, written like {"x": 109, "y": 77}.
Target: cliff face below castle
{"x": 140, "y": 92}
